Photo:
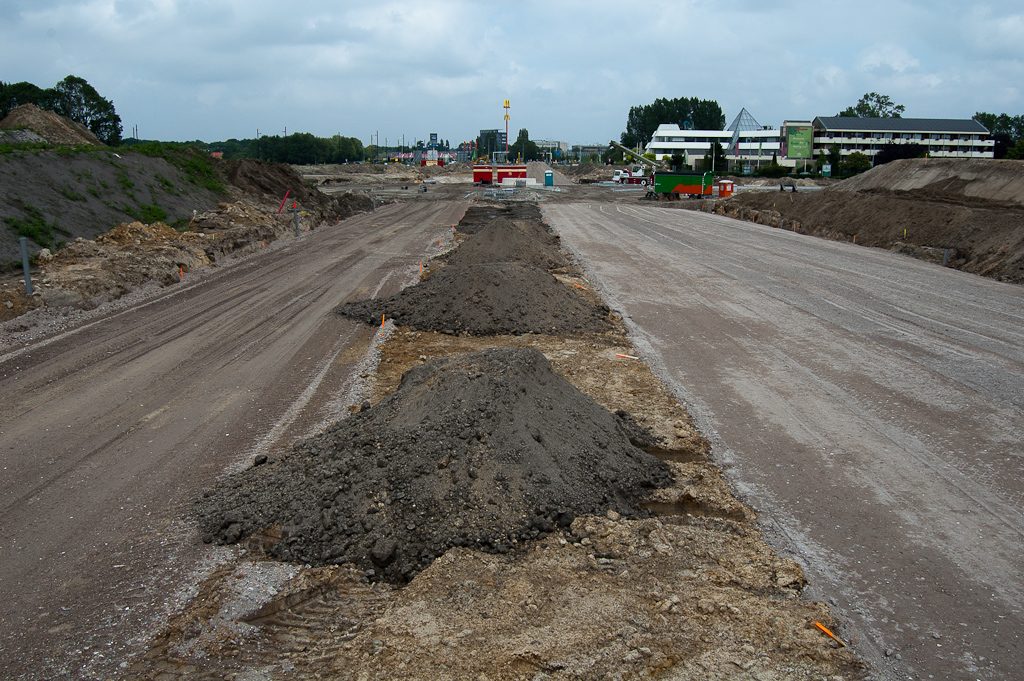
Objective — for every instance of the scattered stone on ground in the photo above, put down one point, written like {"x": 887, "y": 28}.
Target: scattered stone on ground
{"x": 679, "y": 597}
{"x": 485, "y": 450}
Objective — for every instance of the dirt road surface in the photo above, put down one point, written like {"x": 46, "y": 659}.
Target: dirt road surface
{"x": 109, "y": 429}
{"x": 867, "y": 405}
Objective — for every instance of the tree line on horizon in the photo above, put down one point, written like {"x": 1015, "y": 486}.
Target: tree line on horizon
{"x": 299, "y": 148}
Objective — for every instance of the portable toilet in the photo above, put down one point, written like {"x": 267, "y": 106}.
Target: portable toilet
{"x": 549, "y": 178}
{"x": 725, "y": 188}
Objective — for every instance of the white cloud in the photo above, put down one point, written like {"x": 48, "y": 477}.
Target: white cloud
{"x": 893, "y": 58}
{"x": 213, "y": 69}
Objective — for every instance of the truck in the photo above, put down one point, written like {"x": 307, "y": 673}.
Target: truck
{"x": 639, "y": 173}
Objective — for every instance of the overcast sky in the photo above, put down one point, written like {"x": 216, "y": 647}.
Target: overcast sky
{"x": 216, "y": 69}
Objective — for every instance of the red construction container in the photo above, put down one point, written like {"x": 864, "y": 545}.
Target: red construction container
{"x": 725, "y": 188}
{"x": 483, "y": 174}
{"x": 513, "y": 172}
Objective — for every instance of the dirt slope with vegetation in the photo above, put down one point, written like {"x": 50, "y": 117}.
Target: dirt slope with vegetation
{"x": 967, "y": 213}
{"x": 101, "y": 222}
{"x": 55, "y": 196}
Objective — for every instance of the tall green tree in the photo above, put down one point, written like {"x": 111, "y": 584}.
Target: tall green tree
{"x": 13, "y": 95}
{"x": 79, "y": 101}
{"x": 1006, "y": 130}
{"x": 856, "y": 162}
{"x": 716, "y": 160}
{"x": 524, "y": 147}
{"x": 1002, "y": 124}
{"x": 874, "y": 105}
{"x": 702, "y": 114}
{"x": 1016, "y": 152}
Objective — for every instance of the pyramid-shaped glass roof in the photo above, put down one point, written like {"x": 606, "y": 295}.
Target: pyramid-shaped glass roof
{"x": 743, "y": 122}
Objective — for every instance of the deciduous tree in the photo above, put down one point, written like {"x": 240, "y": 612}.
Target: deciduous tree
{"x": 642, "y": 121}
{"x": 856, "y": 163}
{"x": 79, "y": 101}
{"x": 874, "y": 105}
{"x": 13, "y": 95}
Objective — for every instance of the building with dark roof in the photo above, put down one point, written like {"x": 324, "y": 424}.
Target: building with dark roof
{"x": 941, "y": 137}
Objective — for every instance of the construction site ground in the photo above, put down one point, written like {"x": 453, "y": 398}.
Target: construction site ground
{"x": 108, "y": 575}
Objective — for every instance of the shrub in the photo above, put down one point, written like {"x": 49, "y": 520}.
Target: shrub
{"x": 151, "y": 214}
{"x": 34, "y": 226}
{"x": 196, "y": 164}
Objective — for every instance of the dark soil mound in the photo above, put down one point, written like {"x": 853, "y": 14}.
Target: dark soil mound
{"x": 484, "y": 450}
{"x": 505, "y": 241}
{"x": 508, "y": 298}
{"x": 480, "y": 215}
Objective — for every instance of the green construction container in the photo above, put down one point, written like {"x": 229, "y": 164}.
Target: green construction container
{"x": 691, "y": 184}
{"x": 549, "y": 178}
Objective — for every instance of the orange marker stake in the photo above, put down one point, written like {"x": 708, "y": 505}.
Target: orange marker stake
{"x": 182, "y": 272}
{"x": 582, "y": 287}
{"x": 854, "y": 238}
{"x": 830, "y": 634}
{"x": 626, "y": 356}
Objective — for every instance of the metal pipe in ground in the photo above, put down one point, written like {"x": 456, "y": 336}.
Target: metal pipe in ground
{"x": 24, "y": 266}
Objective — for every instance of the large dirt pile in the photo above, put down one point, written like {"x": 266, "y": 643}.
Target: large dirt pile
{"x": 586, "y": 173}
{"x": 54, "y": 128}
{"x": 484, "y": 451}
{"x": 508, "y": 241}
{"x": 495, "y": 283}
{"x": 488, "y": 299}
{"x": 481, "y": 214}
{"x": 945, "y": 179}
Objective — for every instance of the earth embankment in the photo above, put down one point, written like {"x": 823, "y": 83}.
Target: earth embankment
{"x": 946, "y": 178}
{"x": 965, "y": 214}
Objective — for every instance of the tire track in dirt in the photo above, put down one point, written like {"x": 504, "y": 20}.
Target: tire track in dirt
{"x": 114, "y": 424}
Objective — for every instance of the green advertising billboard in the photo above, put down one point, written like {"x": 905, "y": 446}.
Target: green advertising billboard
{"x": 799, "y": 140}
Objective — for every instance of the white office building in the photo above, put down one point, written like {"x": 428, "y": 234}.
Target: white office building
{"x": 745, "y": 140}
